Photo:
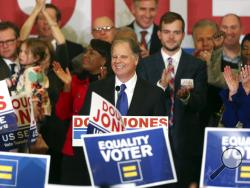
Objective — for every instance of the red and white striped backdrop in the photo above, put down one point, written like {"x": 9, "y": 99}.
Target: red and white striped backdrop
{"x": 77, "y": 15}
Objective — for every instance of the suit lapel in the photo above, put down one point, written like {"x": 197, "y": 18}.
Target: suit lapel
{"x": 159, "y": 60}
{"x": 180, "y": 69}
{"x": 110, "y": 89}
{"x": 136, "y": 98}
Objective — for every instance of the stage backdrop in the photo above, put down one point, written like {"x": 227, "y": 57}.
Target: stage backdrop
{"x": 77, "y": 15}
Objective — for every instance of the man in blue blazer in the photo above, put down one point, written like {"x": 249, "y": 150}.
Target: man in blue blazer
{"x": 185, "y": 78}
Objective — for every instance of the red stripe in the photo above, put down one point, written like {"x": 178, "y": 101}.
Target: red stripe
{"x": 103, "y": 8}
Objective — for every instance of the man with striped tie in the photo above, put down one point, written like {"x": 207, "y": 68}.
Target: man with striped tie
{"x": 183, "y": 78}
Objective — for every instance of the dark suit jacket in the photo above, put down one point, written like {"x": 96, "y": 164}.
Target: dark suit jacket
{"x": 187, "y": 133}
{"x": 155, "y": 45}
{"x": 4, "y": 70}
{"x": 147, "y": 100}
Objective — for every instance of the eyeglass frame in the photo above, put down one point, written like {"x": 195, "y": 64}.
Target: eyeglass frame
{"x": 8, "y": 42}
{"x": 104, "y": 28}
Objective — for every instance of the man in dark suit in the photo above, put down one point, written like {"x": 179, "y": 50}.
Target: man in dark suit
{"x": 143, "y": 99}
{"x": 9, "y": 36}
{"x": 183, "y": 79}
{"x": 144, "y": 27}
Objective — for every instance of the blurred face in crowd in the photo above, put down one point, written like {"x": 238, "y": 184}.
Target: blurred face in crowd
{"x": 25, "y": 56}
{"x": 203, "y": 38}
{"x": 144, "y": 12}
{"x": 103, "y": 29}
{"x": 92, "y": 61}
{"x": 245, "y": 52}
{"x": 230, "y": 24}
{"x": 171, "y": 36}
{"x": 42, "y": 25}
{"x": 8, "y": 44}
{"x": 124, "y": 61}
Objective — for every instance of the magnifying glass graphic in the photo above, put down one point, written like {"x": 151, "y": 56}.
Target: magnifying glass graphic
{"x": 231, "y": 158}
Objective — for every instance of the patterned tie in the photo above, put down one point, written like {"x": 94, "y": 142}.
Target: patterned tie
{"x": 122, "y": 102}
{"x": 143, "y": 39}
{"x": 170, "y": 69}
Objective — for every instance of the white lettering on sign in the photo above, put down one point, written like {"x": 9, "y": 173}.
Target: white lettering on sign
{"x": 125, "y": 149}
{"x": 242, "y": 143}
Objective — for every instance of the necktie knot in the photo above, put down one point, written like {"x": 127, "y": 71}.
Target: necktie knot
{"x": 144, "y": 33}
{"x": 123, "y": 87}
{"x": 170, "y": 61}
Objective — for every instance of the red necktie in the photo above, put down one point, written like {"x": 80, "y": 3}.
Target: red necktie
{"x": 170, "y": 69}
{"x": 143, "y": 39}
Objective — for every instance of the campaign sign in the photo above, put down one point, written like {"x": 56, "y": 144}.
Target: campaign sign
{"x": 80, "y": 124}
{"x": 23, "y": 170}
{"x": 142, "y": 157}
{"x": 104, "y": 117}
{"x": 7, "y": 114}
{"x": 226, "y": 158}
{"x": 27, "y": 129}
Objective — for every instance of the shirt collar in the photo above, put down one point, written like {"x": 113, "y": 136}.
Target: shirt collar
{"x": 130, "y": 84}
{"x": 235, "y": 60}
{"x": 176, "y": 57}
{"x": 138, "y": 30}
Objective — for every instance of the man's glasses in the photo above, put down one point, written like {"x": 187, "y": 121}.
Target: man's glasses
{"x": 105, "y": 28}
{"x": 7, "y": 42}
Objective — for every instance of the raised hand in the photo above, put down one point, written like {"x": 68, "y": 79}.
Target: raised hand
{"x": 205, "y": 55}
{"x": 232, "y": 81}
{"x": 103, "y": 73}
{"x": 245, "y": 78}
{"x": 218, "y": 39}
{"x": 65, "y": 76}
{"x": 40, "y": 4}
{"x": 143, "y": 51}
{"x": 165, "y": 78}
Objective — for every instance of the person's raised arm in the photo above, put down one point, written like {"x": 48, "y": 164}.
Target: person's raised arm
{"x": 56, "y": 31}
{"x": 29, "y": 23}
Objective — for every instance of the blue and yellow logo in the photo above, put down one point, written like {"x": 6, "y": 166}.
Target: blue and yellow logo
{"x": 130, "y": 171}
{"x": 8, "y": 172}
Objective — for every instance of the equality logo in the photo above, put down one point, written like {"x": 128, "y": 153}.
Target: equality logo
{"x": 8, "y": 172}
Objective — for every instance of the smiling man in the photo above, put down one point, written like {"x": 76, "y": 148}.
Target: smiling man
{"x": 184, "y": 80}
{"x": 125, "y": 56}
{"x": 145, "y": 12}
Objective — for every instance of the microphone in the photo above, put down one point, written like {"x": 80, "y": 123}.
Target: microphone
{"x": 117, "y": 88}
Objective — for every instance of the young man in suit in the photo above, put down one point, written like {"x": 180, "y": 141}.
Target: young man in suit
{"x": 145, "y": 12}
{"x": 184, "y": 80}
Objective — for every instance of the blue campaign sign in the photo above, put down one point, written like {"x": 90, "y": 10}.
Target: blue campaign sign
{"x": 226, "y": 158}
{"x": 142, "y": 157}
{"x": 23, "y": 170}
